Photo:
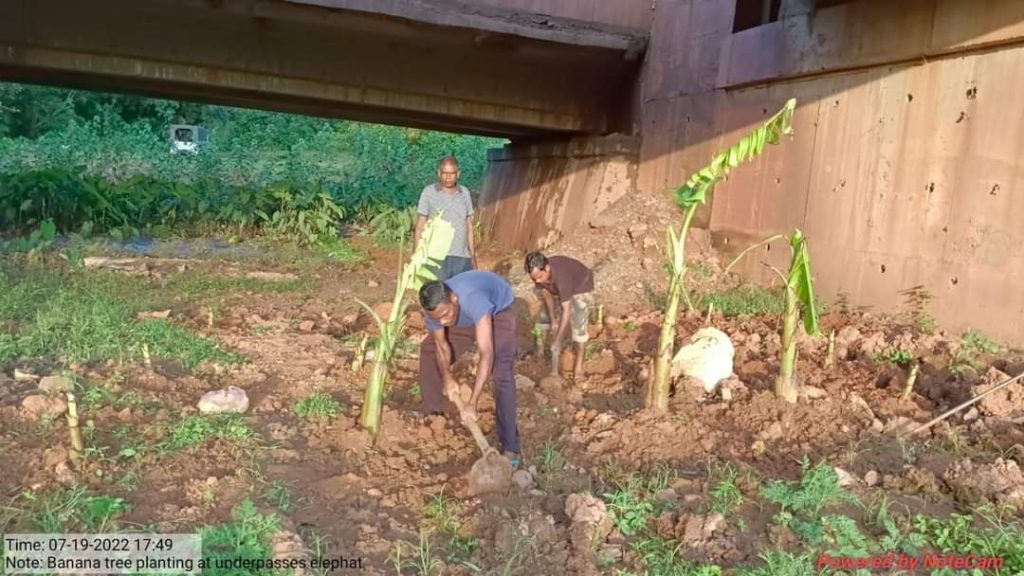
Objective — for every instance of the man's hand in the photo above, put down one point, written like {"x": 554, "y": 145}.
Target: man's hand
{"x": 451, "y": 388}
{"x": 469, "y": 413}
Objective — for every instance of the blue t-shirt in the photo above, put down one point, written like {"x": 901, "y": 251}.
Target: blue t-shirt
{"x": 480, "y": 292}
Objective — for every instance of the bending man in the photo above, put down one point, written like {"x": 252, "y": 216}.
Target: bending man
{"x": 573, "y": 283}
{"x": 474, "y": 306}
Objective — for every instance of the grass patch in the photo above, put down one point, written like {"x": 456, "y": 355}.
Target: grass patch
{"x": 726, "y": 496}
{"x": 198, "y": 428}
{"x": 632, "y": 503}
{"x": 444, "y": 514}
{"x": 745, "y": 299}
{"x": 661, "y": 556}
{"x": 74, "y": 510}
{"x": 246, "y": 537}
{"x": 79, "y": 316}
{"x": 318, "y": 406}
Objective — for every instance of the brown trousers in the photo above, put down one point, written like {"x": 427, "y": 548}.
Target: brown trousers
{"x": 502, "y": 373}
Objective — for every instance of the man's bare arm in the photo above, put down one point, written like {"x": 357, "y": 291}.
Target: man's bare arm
{"x": 421, "y": 223}
{"x": 485, "y": 347}
{"x": 470, "y": 240}
{"x": 563, "y": 322}
{"x": 443, "y": 357}
{"x": 549, "y": 303}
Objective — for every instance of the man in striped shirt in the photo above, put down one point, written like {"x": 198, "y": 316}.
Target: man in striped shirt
{"x": 456, "y": 207}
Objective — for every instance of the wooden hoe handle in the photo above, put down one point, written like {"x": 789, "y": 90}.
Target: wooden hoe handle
{"x": 473, "y": 428}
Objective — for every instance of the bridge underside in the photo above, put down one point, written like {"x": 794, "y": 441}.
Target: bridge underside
{"x": 426, "y": 64}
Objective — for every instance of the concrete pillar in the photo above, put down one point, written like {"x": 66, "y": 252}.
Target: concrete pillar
{"x": 535, "y": 193}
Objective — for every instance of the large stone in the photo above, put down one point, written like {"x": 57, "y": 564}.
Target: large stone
{"x": 230, "y": 399}
{"x": 708, "y": 358}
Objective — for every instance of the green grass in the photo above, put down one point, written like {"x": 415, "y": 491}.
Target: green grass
{"x": 88, "y": 316}
{"x": 661, "y": 556}
{"x": 726, "y": 495}
{"x": 444, "y": 515}
{"x": 745, "y": 299}
{"x": 197, "y": 429}
{"x": 318, "y": 406}
{"x": 74, "y": 510}
{"x": 246, "y": 537}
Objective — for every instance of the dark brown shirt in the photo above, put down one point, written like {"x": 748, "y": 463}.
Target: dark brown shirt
{"x": 569, "y": 277}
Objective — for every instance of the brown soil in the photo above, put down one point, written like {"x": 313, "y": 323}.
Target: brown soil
{"x": 363, "y": 496}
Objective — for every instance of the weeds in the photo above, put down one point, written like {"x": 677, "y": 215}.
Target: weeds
{"x": 246, "y": 537}
{"x": 818, "y": 488}
{"x": 444, "y": 513}
{"x": 90, "y": 316}
{"x": 972, "y": 345}
{"x": 746, "y": 299}
{"x": 197, "y": 429}
{"x": 916, "y": 302}
{"x": 279, "y": 495}
{"x": 421, "y": 557}
{"x": 318, "y": 406}
{"x": 74, "y": 510}
{"x": 726, "y": 495}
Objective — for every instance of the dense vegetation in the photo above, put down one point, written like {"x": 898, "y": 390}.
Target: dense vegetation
{"x": 101, "y": 163}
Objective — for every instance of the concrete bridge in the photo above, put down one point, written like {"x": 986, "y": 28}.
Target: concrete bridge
{"x": 481, "y": 67}
{"x": 907, "y": 166}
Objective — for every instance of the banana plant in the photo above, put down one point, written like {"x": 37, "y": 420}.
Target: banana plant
{"x": 800, "y": 303}
{"x": 433, "y": 247}
{"x": 690, "y": 196}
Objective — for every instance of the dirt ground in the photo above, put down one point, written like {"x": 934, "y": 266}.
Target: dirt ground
{"x": 363, "y": 496}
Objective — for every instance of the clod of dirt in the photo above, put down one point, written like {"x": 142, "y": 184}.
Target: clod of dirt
{"x": 287, "y": 545}
{"x": 522, "y": 479}
{"x": 812, "y": 393}
{"x": 590, "y": 526}
{"x": 38, "y": 406}
{"x": 551, "y": 385}
{"x": 230, "y": 399}
{"x": 1001, "y": 482}
{"x": 524, "y": 384}
{"x": 1006, "y": 403}
{"x": 307, "y": 325}
{"x": 54, "y": 384}
{"x": 695, "y": 529}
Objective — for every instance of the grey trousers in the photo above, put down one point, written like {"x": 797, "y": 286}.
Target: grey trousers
{"x": 453, "y": 265}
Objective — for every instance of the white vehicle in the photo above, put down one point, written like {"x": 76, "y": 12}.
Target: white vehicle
{"x": 188, "y": 138}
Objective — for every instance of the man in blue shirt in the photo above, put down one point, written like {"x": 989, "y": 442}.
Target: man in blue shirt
{"x": 475, "y": 306}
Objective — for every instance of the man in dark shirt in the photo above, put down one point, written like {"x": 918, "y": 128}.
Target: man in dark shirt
{"x": 474, "y": 306}
{"x": 573, "y": 283}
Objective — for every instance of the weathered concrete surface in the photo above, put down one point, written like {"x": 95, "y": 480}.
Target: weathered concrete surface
{"x": 535, "y": 193}
{"x": 907, "y": 160}
{"x": 487, "y": 71}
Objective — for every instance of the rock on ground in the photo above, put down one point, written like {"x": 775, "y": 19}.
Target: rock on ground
{"x": 37, "y": 406}
{"x": 230, "y": 399}
{"x": 1001, "y": 482}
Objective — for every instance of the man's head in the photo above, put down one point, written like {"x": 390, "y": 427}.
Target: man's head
{"x": 538, "y": 267}
{"x": 448, "y": 172}
{"x": 439, "y": 302}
